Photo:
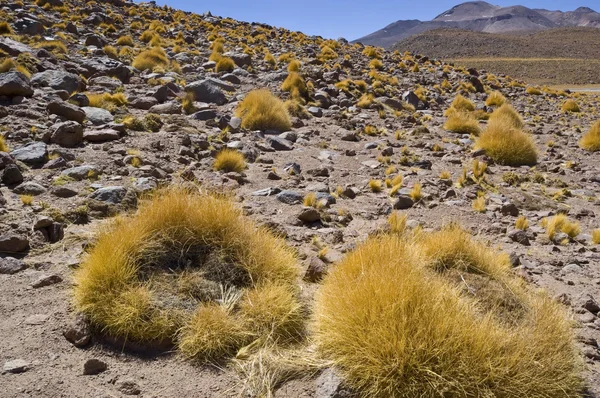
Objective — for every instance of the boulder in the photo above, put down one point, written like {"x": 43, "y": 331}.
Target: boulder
{"x": 98, "y": 116}
{"x": 58, "y": 80}
{"x": 66, "y": 110}
{"x": 34, "y": 154}
{"x": 207, "y": 91}
{"x": 67, "y": 134}
{"x": 13, "y": 84}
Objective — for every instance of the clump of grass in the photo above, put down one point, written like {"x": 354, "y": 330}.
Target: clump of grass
{"x": 590, "y": 141}
{"x": 495, "y": 99}
{"x": 397, "y": 222}
{"x": 27, "y": 200}
{"x": 294, "y": 66}
{"x": 415, "y": 193}
{"x": 508, "y": 116}
{"x": 460, "y": 104}
{"x": 111, "y": 52}
{"x": 596, "y": 236}
{"x": 462, "y": 123}
{"x": 479, "y": 204}
{"x": 5, "y": 28}
{"x": 375, "y": 185}
{"x": 570, "y": 105}
{"x": 151, "y": 59}
{"x": 107, "y": 101}
{"x": 3, "y": 145}
{"x": 230, "y": 160}
{"x": 261, "y": 110}
{"x": 55, "y": 46}
{"x": 495, "y": 338}
{"x": 125, "y": 41}
{"x": 191, "y": 270}
{"x": 560, "y": 223}
{"x": 533, "y": 91}
{"x": 365, "y": 101}
{"x": 225, "y": 64}
{"x": 522, "y": 223}
{"x": 505, "y": 143}
{"x": 295, "y": 85}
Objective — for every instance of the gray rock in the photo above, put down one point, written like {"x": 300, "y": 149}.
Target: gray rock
{"x": 13, "y": 243}
{"x": 280, "y": 144}
{"x": 329, "y": 385}
{"x": 34, "y": 154}
{"x": 309, "y": 215}
{"x": 29, "y": 26}
{"x": 42, "y": 222}
{"x": 325, "y": 196}
{"x": 98, "y": 116}
{"x": 66, "y": 110}
{"x": 240, "y": 59}
{"x": 58, "y": 80}
{"x": 46, "y": 280}
{"x": 315, "y": 111}
{"x": 519, "y": 236}
{"x": 95, "y": 40}
{"x": 207, "y": 114}
{"x": 403, "y": 202}
{"x": 128, "y": 387}
{"x": 169, "y": 108}
{"x": 316, "y": 270}
{"x": 11, "y": 265}
{"x": 144, "y": 103}
{"x": 13, "y": 84}
{"x": 16, "y": 366}
{"x": 103, "y": 135}
{"x": 67, "y": 134}
{"x": 410, "y": 98}
{"x": 290, "y": 197}
{"x": 112, "y": 194}
{"x": 81, "y": 172}
{"x": 509, "y": 209}
{"x": 207, "y": 91}
{"x": 78, "y": 332}
{"x": 14, "y": 48}
{"x": 231, "y": 78}
{"x": 94, "y": 366}
{"x": 30, "y": 188}
{"x": 12, "y": 175}
{"x": 64, "y": 192}
{"x": 80, "y": 100}
{"x": 145, "y": 184}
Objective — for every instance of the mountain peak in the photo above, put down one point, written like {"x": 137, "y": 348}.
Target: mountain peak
{"x": 584, "y": 10}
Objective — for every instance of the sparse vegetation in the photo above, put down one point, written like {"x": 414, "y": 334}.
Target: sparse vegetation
{"x": 570, "y": 106}
{"x": 462, "y": 123}
{"x": 495, "y": 99}
{"x": 261, "y": 110}
{"x": 591, "y": 140}
{"x": 230, "y": 160}
{"x": 150, "y": 59}
{"x": 225, "y": 64}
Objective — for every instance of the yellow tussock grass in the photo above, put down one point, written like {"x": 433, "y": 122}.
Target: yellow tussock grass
{"x": 261, "y": 110}
{"x": 230, "y": 160}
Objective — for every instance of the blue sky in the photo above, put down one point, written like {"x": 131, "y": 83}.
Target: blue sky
{"x": 350, "y": 19}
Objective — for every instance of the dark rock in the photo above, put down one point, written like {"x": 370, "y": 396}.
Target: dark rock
{"x": 34, "y": 154}
{"x": 207, "y": 91}
{"x": 64, "y": 192}
{"x": 290, "y": 197}
{"x": 144, "y": 103}
{"x": 81, "y": 172}
{"x": 67, "y": 134}
{"x": 58, "y": 80}
{"x": 509, "y": 209}
{"x": 11, "y": 265}
{"x": 94, "y": 367}
{"x": 66, "y": 110}
{"x": 103, "y": 135}
{"x": 128, "y": 387}
{"x": 411, "y": 98}
{"x": 316, "y": 270}
{"x": 309, "y": 215}
{"x": 11, "y": 175}
{"x": 403, "y": 202}
{"x": 207, "y": 114}
{"x": 13, "y": 84}
{"x": 98, "y": 116}
{"x": 78, "y": 332}
{"x": 280, "y": 144}
{"x": 95, "y": 40}
{"x": 519, "y": 236}
{"x": 14, "y": 48}
{"x": 13, "y": 243}
{"x": 16, "y": 366}
{"x": 46, "y": 280}
{"x": 113, "y": 194}
{"x": 30, "y": 188}
{"x": 169, "y": 108}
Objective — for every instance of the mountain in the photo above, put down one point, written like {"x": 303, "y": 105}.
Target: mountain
{"x": 480, "y": 16}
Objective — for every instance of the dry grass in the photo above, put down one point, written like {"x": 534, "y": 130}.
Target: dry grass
{"x": 460, "y": 103}
{"x": 505, "y": 143}
{"x": 5, "y": 28}
{"x": 375, "y": 185}
{"x": 182, "y": 270}
{"x": 462, "y": 123}
{"x": 570, "y": 106}
{"x": 590, "y": 141}
{"x": 107, "y": 101}
{"x": 444, "y": 317}
{"x": 295, "y": 85}
{"x": 187, "y": 103}
{"x": 230, "y": 160}
{"x": 125, "y": 41}
{"x": 479, "y": 205}
{"x": 3, "y": 145}
{"x": 150, "y": 59}
{"x": 55, "y": 46}
{"x": 533, "y": 91}
{"x": 225, "y": 64}
{"x": 397, "y": 222}
{"x": 596, "y": 236}
{"x": 27, "y": 200}
{"x": 495, "y": 99}
{"x": 560, "y": 223}
{"x": 522, "y": 223}
{"x": 415, "y": 193}
{"x": 261, "y": 110}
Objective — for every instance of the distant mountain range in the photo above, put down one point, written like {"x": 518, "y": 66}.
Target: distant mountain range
{"x": 480, "y": 16}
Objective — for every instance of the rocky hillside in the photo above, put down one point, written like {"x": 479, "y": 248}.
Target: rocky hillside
{"x": 479, "y": 16}
{"x": 103, "y": 102}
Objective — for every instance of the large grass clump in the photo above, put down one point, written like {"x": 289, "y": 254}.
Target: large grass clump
{"x": 591, "y": 140}
{"x": 189, "y": 270}
{"x": 150, "y": 59}
{"x": 230, "y": 160}
{"x": 505, "y": 142}
{"x": 261, "y": 110}
{"x": 440, "y": 315}
{"x": 462, "y": 123}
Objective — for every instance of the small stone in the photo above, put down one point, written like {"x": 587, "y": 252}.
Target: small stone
{"x": 128, "y": 387}
{"x": 113, "y": 194}
{"x": 11, "y": 265}
{"x": 46, "y": 280}
{"x": 403, "y": 202}
{"x": 93, "y": 367}
{"x": 13, "y": 243}
{"x": 309, "y": 215}
{"x": 78, "y": 332}
{"x": 280, "y": 144}
{"x": 36, "y": 319}
{"x": 316, "y": 270}
{"x": 16, "y": 366}
{"x": 519, "y": 236}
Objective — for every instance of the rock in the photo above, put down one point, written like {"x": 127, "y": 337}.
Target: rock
{"x": 81, "y": 172}
{"x": 112, "y": 194}
{"x": 42, "y": 222}
{"x": 280, "y": 144}
{"x": 316, "y": 270}
{"x": 309, "y": 215}
{"x": 29, "y": 26}
{"x": 36, "y": 319}
{"x": 63, "y": 192}
{"x": 590, "y": 304}
{"x": 169, "y": 108}
{"x": 477, "y": 84}
{"x": 289, "y": 197}
{"x": 329, "y": 385}
{"x": 315, "y": 111}
{"x": 14, "y": 48}
{"x": 240, "y": 59}
{"x": 509, "y": 209}
{"x": 11, "y": 265}
{"x": 67, "y": 134}
{"x": 350, "y": 192}
{"x": 519, "y": 236}
{"x": 34, "y": 154}
{"x": 98, "y": 116}
{"x": 13, "y": 243}
{"x": 403, "y": 202}
{"x": 128, "y": 387}
{"x": 78, "y": 332}
{"x": 94, "y": 366}
{"x": 95, "y": 40}
{"x": 58, "y": 80}
{"x": 231, "y": 78}
{"x": 11, "y": 175}
{"x": 103, "y": 135}
{"x": 144, "y": 103}
{"x": 206, "y": 114}
{"x": 145, "y": 184}
{"x": 411, "y": 98}
{"x": 66, "y": 110}
{"x": 80, "y": 100}
{"x": 347, "y": 135}
{"x": 46, "y": 280}
{"x": 30, "y": 188}
{"x": 16, "y": 366}
{"x": 207, "y": 91}
{"x": 13, "y": 84}
{"x": 319, "y": 172}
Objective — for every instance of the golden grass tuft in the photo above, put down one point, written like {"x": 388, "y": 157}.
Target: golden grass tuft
{"x": 522, "y": 223}
{"x": 230, "y": 160}
{"x": 495, "y": 99}
{"x": 460, "y": 103}
{"x": 479, "y": 204}
{"x": 533, "y": 91}
{"x": 107, "y": 101}
{"x": 55, "y": 46}
{"x": 3, "y": 145}
{"x": 504, "y": 142}
{"x": 5, "y": 28}
{"x": 191, "y": 270}
{"x": 444, "y": 317}
{"x": 375, "y": 185}
{"x": 225, "y": 64}
{"x": 415, "y": 193}
{"x": 261, "y": 110}
{"x": 596, "y": 236}
{"x": 150, "y": 59}
{"x": 462, "y": 123}
{"x": 570, "y": 106}
{"x": 125, "y": 41}
{"x": 561, "y": 223}
{"x": 294, "y": 66}
{"x": 295, "y": 85}
{"x": 27, "y": 200}
{"x": 397, "y": 222}
{"x": 590, "y": 141}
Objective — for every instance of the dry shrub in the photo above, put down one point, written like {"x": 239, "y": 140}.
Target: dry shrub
{"x": 295, "y": 85}
{"x": 591, "y": 140}
{"x": 495, "y": 99}
{"x": 225, "y": 64}
{"x": 191, "y": 270}
{"x": 462, "y": 123}
{"x": 230, "y": 160}
{"x": 533, "y": 91}
{"x": 460, "y": 104}
{"x": 106, "y": 100}
{"x": 9, "y": 64}
{"x": 55, "y": 46}
{"x": 444, "y": 317}
{"x": 570, "y": 106}
{"x": 261, "y": 110}
{"x": 150, "y": 59}
{"x": 5, "y": 28}
{"x": 506, "y": 143}
{"x": 561, "y": 223}
{"x": 125, "y": 41}
{"x": 3, "y": 144}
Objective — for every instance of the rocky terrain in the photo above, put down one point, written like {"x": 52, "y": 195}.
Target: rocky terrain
{"x": 87, "y": 136}
{"x": 480, "y": 16}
